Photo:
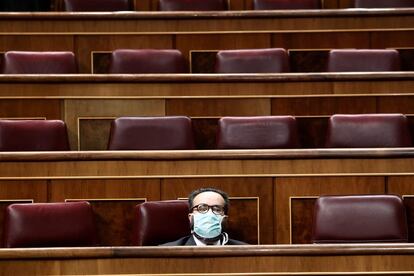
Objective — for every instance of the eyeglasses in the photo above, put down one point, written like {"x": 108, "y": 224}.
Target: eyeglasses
{"x": 203, "y": 208}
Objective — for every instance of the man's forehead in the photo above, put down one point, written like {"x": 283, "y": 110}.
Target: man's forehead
{"x": 209, "y": 197}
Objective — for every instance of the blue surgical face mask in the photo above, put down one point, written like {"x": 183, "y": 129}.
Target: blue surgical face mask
{"x": 207, "y": 225}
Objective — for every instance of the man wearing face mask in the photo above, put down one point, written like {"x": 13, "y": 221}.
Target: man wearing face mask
{"x": 208, "y": 215}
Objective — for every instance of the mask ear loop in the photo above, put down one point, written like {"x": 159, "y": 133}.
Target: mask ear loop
{"x": 225, "y": 238}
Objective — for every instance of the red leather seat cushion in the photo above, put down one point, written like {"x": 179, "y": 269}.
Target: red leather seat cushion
{"x": 286, "y": 4}
{"x": 368, "y": 131}
{"x": 17, "y": 62}
{"x": 96, "y": 5}
{"x": 49, "y": 225}
{"x": 384, "y": 3}
{"x": 252, "y": 61}
{"x": 257, "y": 132}
{"x": 144, "y": 61}
{"x": 33, "y": 135}
{"x": 151, "y": 133}
{"x": 363, "y": 60}
{"x": 158, "y": 222}
{"x": 370, "y": 218}
{"x": 192, "y": 5}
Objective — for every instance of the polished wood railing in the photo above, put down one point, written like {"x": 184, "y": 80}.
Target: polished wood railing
{"x": 340, "y": 259}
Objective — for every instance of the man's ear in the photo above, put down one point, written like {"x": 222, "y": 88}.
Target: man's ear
{"x": 191, "y": 219}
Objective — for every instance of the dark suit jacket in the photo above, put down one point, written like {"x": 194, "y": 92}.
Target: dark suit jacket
{"x": 189, "y": 240}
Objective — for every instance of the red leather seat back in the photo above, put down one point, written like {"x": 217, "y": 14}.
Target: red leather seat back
{"x": 384, "y": 3}
{"x": 368, "y": 131}
{"x": 96, "y": 5}
{"x": 286, "y": 4}
{"x": 49, "y": 225}
{"x": 367, "y": 218}
{"x": 192, "y": 5}
{"x": 20, "y": 62}
{"x": 33, "y": 135}
{"x": 252, "y": 61}
{"x": 145, "y": 61}
{"x": 363, "y": 60}
{"x": 267, "y": 132}
{"x": 151, "y": 133}
{"x": 158, "y": 222}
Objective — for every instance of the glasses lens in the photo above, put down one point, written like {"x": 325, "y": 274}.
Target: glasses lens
{"x": 218, "y": 210}
{"x": 202, "y": 208}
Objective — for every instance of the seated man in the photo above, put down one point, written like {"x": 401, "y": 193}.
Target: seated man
{"x": 208, "y": 216}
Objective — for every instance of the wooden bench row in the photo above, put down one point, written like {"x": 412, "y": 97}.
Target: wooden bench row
{"x": 84, "y": 34}
{"x": 89, "y": 103}
{"x": 151, "y": 5}
{"x": 275, "y": 188}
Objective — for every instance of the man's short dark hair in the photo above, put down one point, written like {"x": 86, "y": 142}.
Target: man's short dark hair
{"x": 194, "y": 193}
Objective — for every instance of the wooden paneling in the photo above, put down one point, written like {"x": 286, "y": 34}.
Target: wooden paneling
{"x": 86, "y": 44}
{"x": 376, "y": 259}
{"x": 403, "y": 185}
{"x": 76, "y": 109}
{"x": 205, "y": 130}
{"x": 39, "y": 42}
{"x": 409, "y": 210}
{"x": 114, "y": 219}
{"x": 261, "y": 188}
{"x": 318, "y": 40}
{"x": 219, "y": 107}
{"x": 301, "y": 218}
{"x": 316, "y": 186}
{"x": 310, "y": 106}
{"x": 187, "y": 42}
{"x": 105, "y": 188}
{"x": 30, "y": 108}
{"x": 35, "y": 190}
{"x": 399, "y": 104}
{"x": 392, "y": 39}
{"x": 94, "y": 133}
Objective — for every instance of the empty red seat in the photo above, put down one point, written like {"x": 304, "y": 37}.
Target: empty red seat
{"x": 384, "y": 3}
{"x": 33, "y": 135}
{"x": 368, "y": 131}
{"x": 158, "y": 222}
{"x": 286, "y": 4}
{"x": 192, "y": 5}
{"x": 261, "y": 132}
{"x": 22, "y": 62}
{"x": 145, "y": 61}
{"x": 49, "y": 225}
{"x": 363, "y": 60}
{"x": 363, "y": 218}
{"x": 96, "y": 5}
{"x": 151, "y": 133}
{"x": 273, "y": 60}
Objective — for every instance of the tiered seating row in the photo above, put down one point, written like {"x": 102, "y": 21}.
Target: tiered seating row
{"x": 270, "y": 60}
{"x": 177, "y": 133}
{"x": 276, "y": 189}
{"x": 118, "y": 5}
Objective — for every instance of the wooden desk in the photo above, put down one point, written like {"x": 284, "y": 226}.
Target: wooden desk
{"x": 340, "y": 259}
{"x": 186, "y": 31}
{"x": 228, "y": 21}
{"x": 88, "y": 103}
{"x": 276, "y": 188}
